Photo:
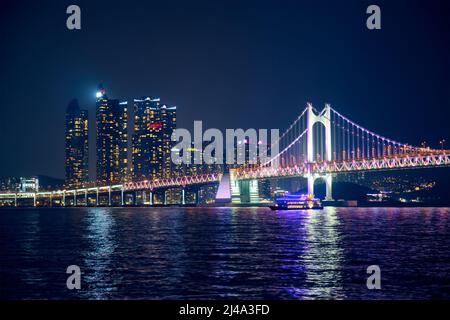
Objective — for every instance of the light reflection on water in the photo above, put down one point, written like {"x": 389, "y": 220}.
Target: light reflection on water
{"x": 323, "y": 258}
{"x": 222, "y": 253}
{"x": 100, "y": 238}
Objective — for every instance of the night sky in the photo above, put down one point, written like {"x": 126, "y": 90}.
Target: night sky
{"x": 229, "y": 63}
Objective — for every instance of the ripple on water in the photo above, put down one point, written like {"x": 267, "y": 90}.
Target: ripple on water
{"x": 225, "y": 253}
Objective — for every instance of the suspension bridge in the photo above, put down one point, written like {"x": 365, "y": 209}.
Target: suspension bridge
{"x": 317, "y": 145}
{"x": 321, "y": 144}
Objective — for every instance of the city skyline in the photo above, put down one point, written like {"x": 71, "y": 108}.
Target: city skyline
{"x": 130, "y": 143}
{"x": 318, "y": 146}
{"x": 197, "y": 67}
{"x": 237, "y": 151}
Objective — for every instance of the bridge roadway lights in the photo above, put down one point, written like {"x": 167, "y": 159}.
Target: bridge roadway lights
{"x": 48, "y": 197}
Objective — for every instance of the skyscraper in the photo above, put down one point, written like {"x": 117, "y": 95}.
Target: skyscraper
{"x": 112, "y": 150}
{"x": 77, "y": 147}
{"x": 153, "y": 127}
{"x": 169, "y": 124}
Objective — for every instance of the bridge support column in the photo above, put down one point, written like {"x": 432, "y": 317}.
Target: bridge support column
{"x": 328, "y": 178}
{"x": 311, "y": 180}
{"x": 235, "y": 188}
{"x": 96, "y": 199}
{"x": 64, "y": 199}
{"x": 15, "y": 199}
{"x": 329, "y": 187}
{"x": 254, "y": 191}
{"x": 85, "y": 198}
{"x": 75, "y": 198}
{"x": 109, "y": 196}
{"x": 183, "y": 199}
{"x": 121, "y": 197}
{"x": 34, "y": 199}
{"x": 151, "y": 198}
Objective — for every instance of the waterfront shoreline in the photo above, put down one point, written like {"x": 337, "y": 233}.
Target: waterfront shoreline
{"x": 368, "y": 206}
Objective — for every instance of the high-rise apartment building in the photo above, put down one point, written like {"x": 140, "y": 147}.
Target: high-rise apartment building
{"x": 77, "y": 146}
{"x": 111, "y": 140}
{"x": 153, "y": 127}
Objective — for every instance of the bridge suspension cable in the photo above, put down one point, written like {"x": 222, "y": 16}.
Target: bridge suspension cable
{"x": 351, "y": 141}
{"x": 286, "y": 149}
{"x": 292, "y": 126}
{"x": 293, "y": 148}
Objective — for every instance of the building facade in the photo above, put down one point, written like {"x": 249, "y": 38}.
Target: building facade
{"x": 76, "y": 145}
{"x": 111, "y": 139}
{"x": 199, "y": 167}
{"x": 9, "y": 184}
{"x": 153, "y": 127}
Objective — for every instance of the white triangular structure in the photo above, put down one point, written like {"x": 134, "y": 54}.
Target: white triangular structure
{"x": 223, "y": 194}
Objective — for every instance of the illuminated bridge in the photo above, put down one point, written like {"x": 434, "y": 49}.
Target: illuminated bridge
{"x": 114, "y": 195}
{"x": 317, "y": 145}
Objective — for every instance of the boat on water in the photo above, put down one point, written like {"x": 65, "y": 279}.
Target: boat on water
{"x": 296, "y": 202}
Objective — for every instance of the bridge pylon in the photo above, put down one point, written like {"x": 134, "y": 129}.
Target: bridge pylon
{"x": 312, "y": 118}
{"x": 323, "y": 117}
{"x": 328, "y": 179}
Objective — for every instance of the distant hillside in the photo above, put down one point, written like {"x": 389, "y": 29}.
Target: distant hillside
{"x": 440, "y": 193}
{"x": 46, "y": 182}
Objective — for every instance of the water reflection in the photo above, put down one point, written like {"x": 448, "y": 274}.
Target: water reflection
{"x": 97, "y": 261}
{"x": 217, "y": 253}
{"x": 323, "y": 257}
{"x": 32, "y": 274}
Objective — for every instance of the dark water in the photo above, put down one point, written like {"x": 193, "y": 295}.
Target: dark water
{"x": 222, "y": 253}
